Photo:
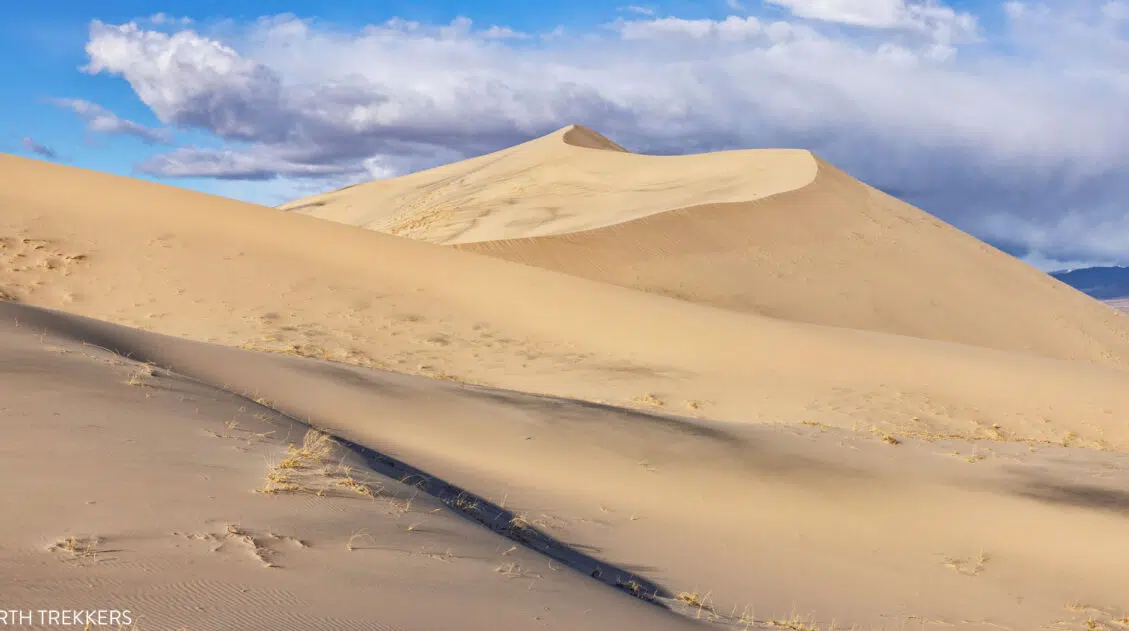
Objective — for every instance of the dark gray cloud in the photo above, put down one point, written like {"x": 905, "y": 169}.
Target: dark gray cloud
{"x": 1016, "y": 135}
{"x": 31, "y": 145}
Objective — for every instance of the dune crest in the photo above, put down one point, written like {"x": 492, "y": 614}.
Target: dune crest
{"x": 568, "y": 181}
{"x": 581, "y": 136}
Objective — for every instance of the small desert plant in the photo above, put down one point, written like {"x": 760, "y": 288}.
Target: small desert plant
{"x": 358, "y": 487}
{"x": 695, "y": 600}
{"x": 137, "y": 377}
{"x": 316, "y": 446}
{"x": 350, "y": 545}
{"x": 465, "y": 502}
{"x": 78, "y": 548}
{"x": 279, "y": 481}
{"x": 649, "y": 399}
{"x": 513, "y": 570}
{"x": 968, "y": 567}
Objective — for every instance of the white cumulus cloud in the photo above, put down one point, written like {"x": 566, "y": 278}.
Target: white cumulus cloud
{"x": 905, "y": 95}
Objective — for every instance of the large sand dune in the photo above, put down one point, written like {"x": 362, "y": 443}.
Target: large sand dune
{"x": 212, "y": 269}
{"x": 770, "y": 466}
{"x": 778, "y": 233}
{"x": 571, "y": 180}
{"x": 171, "y": 492}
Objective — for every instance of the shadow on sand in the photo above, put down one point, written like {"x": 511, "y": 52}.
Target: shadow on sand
{"x": 511, "y": 525}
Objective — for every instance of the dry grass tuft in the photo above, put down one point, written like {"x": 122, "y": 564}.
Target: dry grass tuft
{"x": 360, "y": 535}
{"x": 795, "y": 623}
{"x": 513, "y": 570}
{"x": 316, "y": 447}
{"x": 968, "y": 567}
{"x": 401, "y": 507}
{"x": 279, "y": 481}
{"x": 293, "y": 462}
{"x": 1076, "y": 606}
{"x": 465, "y": 502}
{"x": 78, "y": 548}
{"x": 696, "y": 600}
{"x": 649, "y": 399}
{"x": 138, "y": 377}
{"x": 635, "y": 589}
{"x": 359, "y": 488}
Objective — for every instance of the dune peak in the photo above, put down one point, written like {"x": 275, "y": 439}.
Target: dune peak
{"x": 581, "y": 136}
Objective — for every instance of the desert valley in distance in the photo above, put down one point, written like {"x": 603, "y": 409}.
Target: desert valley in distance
{"x": 560, "y": 386}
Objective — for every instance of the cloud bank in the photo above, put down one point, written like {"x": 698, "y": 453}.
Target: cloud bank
{"x": 1014, "y": 133}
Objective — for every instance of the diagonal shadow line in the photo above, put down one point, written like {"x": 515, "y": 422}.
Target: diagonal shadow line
{"x": 1085, "y": 496}
{"x": 462, "y": 502}
{"x": 511, "y": 525}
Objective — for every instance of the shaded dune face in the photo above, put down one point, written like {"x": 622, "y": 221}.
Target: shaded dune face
{"x": 840, "y": 253}
{"x": 580, "y": 136}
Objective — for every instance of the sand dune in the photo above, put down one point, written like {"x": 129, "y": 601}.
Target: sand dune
{"x": 778, "y": 233}
{"x": 770, "y": 466}
{"x": 571, "y": 180}
{"x": 205, "y": 268}
{"x": 745, "y": 527}
{"x": 166, "y": 496}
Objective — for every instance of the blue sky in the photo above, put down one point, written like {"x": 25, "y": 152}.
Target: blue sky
{"x": 1003, "y": 118}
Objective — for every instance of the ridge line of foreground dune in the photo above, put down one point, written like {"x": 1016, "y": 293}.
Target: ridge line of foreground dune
{"x": 256, "y": 378}
{"x": 252, "y": 518}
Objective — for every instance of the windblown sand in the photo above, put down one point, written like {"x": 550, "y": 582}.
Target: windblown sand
{"x": 219, "y": 415}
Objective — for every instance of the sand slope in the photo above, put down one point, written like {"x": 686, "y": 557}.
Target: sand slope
{"x": 763, "y": 524}
{"x": 839, "y": 252}
{"x": 211, "y": 269}
{"x": 146, "y": 490}
{"x": 767, "y": 464}
{"x": 772, "y": 232}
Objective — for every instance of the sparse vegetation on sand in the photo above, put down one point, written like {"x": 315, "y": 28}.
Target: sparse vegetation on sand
{"x": 306, "y": 469}
{"x": 83, "y": 549}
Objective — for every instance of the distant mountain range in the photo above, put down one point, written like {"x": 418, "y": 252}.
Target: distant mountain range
{"x": 1103, "y": 283}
